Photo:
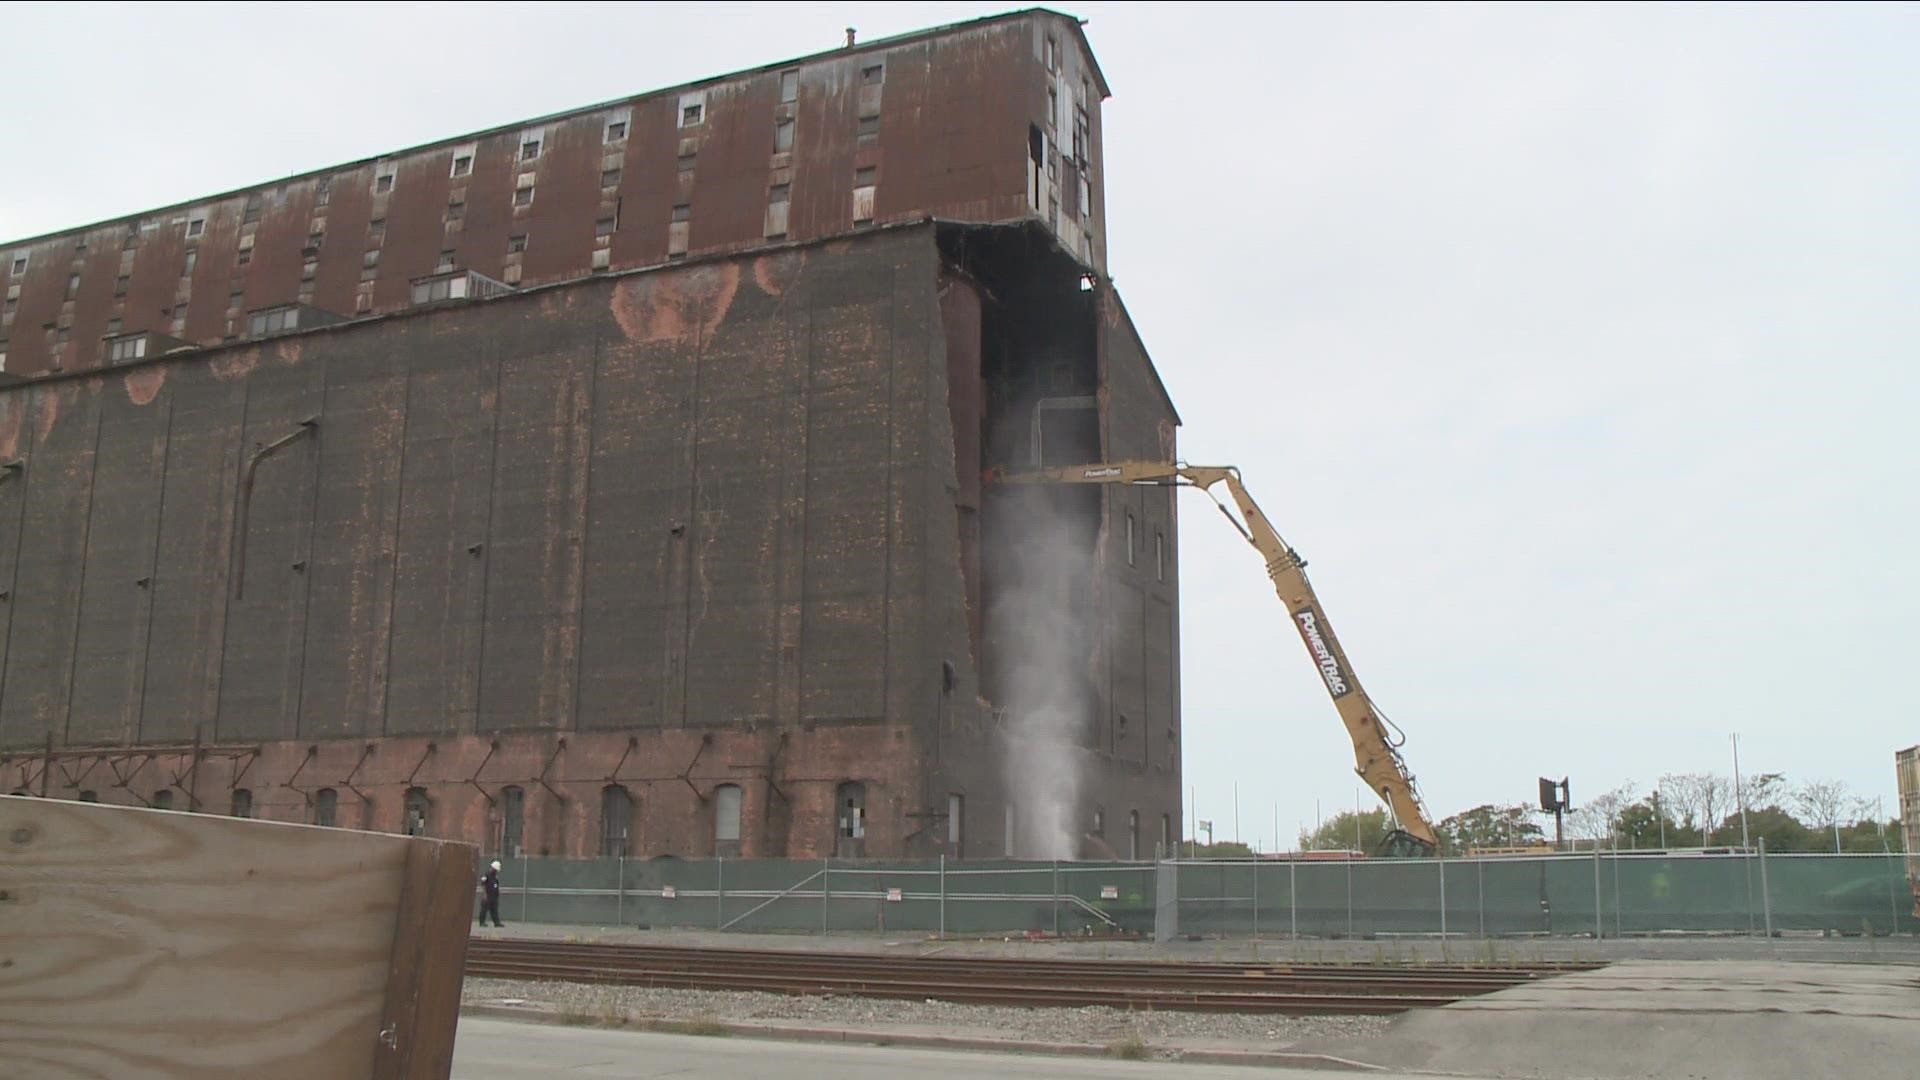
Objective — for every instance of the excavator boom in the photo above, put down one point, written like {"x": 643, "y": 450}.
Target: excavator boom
{"x": 1376, "y": 754}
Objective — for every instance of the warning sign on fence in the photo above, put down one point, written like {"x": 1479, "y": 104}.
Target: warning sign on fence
{"x": 894, "y": 895}
{"x": 1109, "y": 892}
{"x": 666, "y": 892}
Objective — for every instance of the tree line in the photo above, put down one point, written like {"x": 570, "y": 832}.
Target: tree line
{"x": 1685, "y": 810}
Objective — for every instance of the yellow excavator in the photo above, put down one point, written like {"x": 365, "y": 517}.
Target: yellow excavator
{"x": 1376, "y": 753}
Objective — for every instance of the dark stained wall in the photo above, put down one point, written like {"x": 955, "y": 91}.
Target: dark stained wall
{"x": 691, "y": 497}
{"x": 951, "y": 110}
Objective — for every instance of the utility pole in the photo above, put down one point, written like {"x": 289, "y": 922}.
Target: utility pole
{"x": 1660, "y": 816}
{"x": 1740, "y": 793}
{"x": 1236, "y": 811}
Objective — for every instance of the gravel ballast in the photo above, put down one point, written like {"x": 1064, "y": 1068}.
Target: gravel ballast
{"x": 1094, "y": 1025}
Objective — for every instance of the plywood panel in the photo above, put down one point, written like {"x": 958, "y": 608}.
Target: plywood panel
{"x": 146, "y": 944}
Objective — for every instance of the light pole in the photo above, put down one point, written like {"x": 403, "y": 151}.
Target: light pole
{"x": 1660, "y": 816}
{"x": 1740, "y": 793}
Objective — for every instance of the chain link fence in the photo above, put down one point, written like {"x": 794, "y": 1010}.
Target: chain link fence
{"x": 1588, "y": 895}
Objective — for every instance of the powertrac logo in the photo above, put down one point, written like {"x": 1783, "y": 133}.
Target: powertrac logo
{"x": 1317, "y": 645}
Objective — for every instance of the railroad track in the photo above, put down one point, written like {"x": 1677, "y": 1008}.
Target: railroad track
{"x": 1127, "y": 984}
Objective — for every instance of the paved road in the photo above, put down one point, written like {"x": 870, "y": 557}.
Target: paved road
{"x": 505, "y": 1050}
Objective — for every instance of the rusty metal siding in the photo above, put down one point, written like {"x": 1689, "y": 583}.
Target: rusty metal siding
{"x": 350, "y": 571}
{"x": 267, "y": 601}
{"x": 413, "y": 565}
{"x": 180, "y": 692}
{"x": 110, "y": 646}
{"x": 953, "y": 114}
{"x": 57, "y": 490}
{"x": 442, "y": 555}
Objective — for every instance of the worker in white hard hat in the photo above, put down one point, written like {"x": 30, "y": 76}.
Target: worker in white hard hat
{"x": 490, "y": 882}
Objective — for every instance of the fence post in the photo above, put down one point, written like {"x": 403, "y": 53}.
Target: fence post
{"x": 620, "y": 895}
{"x": 1895, "y": 879}
{"x": 524, "y": 861}
{"x": 1766, "y": 894}
{"x": 1480, "y": 893}
{"x": 1293, "y": 901}
{"x": 1349, "y": 862}
{"x": 1256, "y": 901}
{"x": 826, "y": 894}
{"x": 943, "y": 896}
{"x": 1442, "y": 862}
{"x": 1598, "y": 915}
{"x": 719, "y": 891}
{"x": 1056, "y": 898}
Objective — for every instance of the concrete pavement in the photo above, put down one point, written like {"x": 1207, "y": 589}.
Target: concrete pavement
{"x": 1702, "y": 1020}
{"x": 507, "y": 1050}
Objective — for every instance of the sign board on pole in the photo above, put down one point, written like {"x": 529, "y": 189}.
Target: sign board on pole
{"x": 1109, "y": 892}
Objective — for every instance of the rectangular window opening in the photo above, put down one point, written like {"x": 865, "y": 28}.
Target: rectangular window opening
{"x": 516, "y": 242}
{"x": 523, "y": 196}
{"x": 683, "y": 212}
{"x": 616, "y": 130}
{"x": 789, "y": 86}
{"x": 196, "y": 226}
{"x": 872, "y": 74}
{"x": 604, "y": 227}
{"x": 692, "y": 115}
{"x": 462, "y": 165}
{"x": 782, "y": 136}
{"x": 383, "y": 183}
{"x": 529, "y": 149}
{"x": 609, "y": 178}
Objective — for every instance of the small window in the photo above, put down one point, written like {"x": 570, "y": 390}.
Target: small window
{"x": 850, "y": 832}
{"x": 415, "y": 809}
{"x": 523, "y": 196}
{"x": 779, "y": 193}
{"x": 20, "y": 265}
{"x": 516, "y": 242}
{"x": 616, "y": 821}
{"x": 326, "y": 807}
{"x": 193, "y": 259}
{"x": 195, "y": 227}
{"x": 872, "y": 74}
{"x": 529, "y": 149}
{"x": 686, "y": 166}
{"x": 120, "y": 285}
{"x": 370, "y": 258}
{"x": 316, "y": 241}
{"x": 273, "y": 321}
{"x": 245, "y": 257}
{"x": 323, "y": 191}
{"x": 1159, "y": 556}
{"x": 462, "y": 165}
{"x": 123, "y": 350}
{"x": 376, "y": 232}
{"x": 236, "y": 300}
{"x": 73, "y": 284}
{"x": 726, "y": 819}
{"x": 682, "y": 212}
{"x": 789, "y": 86}
{"x": 956, "y": 822}
{"x": 616, "y": 130}
{"x": 513, "y": 805}
{"x": 132, "y": 240}
{"x": 692, "y": 115}
{"x": 1048, "y": 54}
{"x": 444, "y": 264}
{"x": 868, "y": 127}
{"x": 383, "y": 183}
{"x": 456, "y": 210}
{"x": 610, "y": 178}
{"x": 864, "y": 177}
{"x": 252, "y": 213}
{"x": 242, "y": 803}
{"x": 1133, "y": 834}
{"x": 782, "y": 136}
{"x": 603, "y": 228}
{"x": 1099, "y": 822}
{"x": 113, "y": 325}
{"x": 1130, "y": 543}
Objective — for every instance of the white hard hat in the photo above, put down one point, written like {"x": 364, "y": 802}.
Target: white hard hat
{"x": 496, "y": 864}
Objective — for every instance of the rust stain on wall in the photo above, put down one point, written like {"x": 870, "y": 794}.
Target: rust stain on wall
{"x": 658, "y": 307}
{"x": 144, "y": 384}
{"x": 234, "y": 363}
{"x": 774, "y": 273}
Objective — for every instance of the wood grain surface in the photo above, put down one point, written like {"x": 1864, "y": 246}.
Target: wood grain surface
{"x": 142, "y": 943}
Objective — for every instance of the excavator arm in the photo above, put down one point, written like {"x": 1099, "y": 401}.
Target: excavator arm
{"x": 1376, "y": 753}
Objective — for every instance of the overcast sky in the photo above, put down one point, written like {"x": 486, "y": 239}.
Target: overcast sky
{"x": 1574, "y": 347}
